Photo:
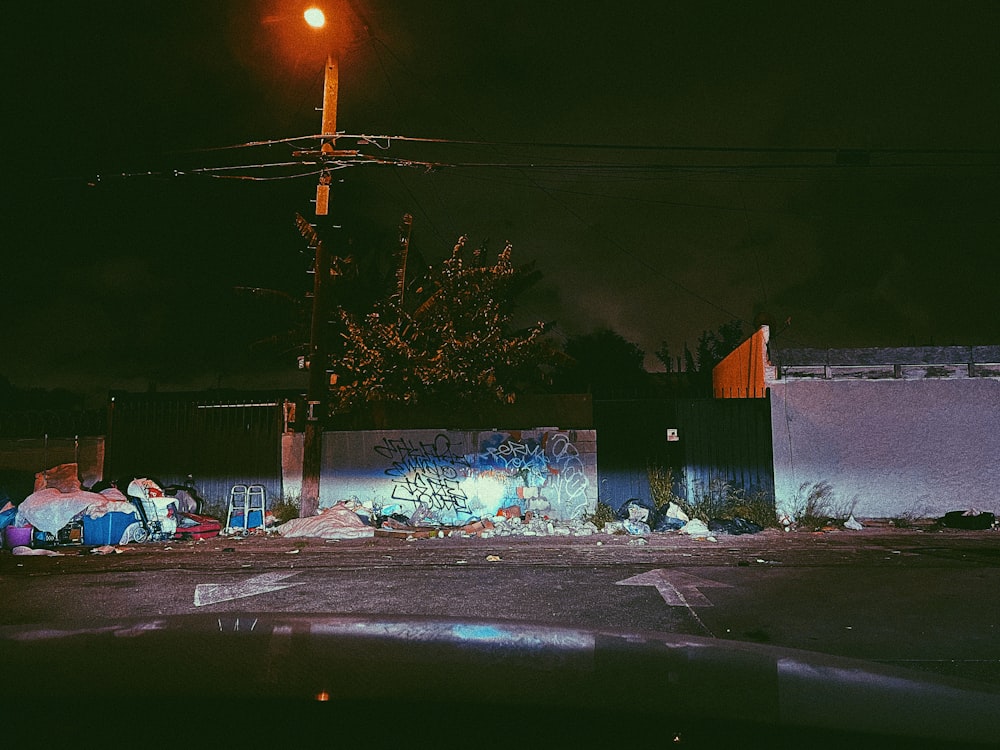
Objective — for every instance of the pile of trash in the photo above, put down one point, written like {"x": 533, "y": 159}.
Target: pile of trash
{"x": 638, "y": 517}
{"x": 972, "y": 519}
{"x": 351, "y": 519}
{"x": 61, "y": 512}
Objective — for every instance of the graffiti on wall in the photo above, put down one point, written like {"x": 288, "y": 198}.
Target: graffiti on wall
{"x": 569, "y": 479}
{"x": 426, "y": 473}
{"x": 540, "y": 471}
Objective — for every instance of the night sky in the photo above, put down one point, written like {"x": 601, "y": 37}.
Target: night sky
{"x": 831, "y": 168}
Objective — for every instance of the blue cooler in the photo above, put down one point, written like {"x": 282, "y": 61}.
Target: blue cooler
{"x": 108, "y": 529}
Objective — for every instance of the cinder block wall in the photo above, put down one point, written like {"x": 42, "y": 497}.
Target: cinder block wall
{"x": 458, "y": 475}
{"x": 899, "y": 447}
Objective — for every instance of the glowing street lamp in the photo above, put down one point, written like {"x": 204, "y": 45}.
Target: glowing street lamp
{"x": 315, "y": 18}
{"x": 312, "y": 452}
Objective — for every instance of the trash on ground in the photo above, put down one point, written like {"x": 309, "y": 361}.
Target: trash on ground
{"x": 105, "y": 549}
{"x": 734, "y": 526}
{"x": 636, "y": 511}
{"x": 670, "y": 523}
{"x": 41, "y": 551}
{"x": 853, "y": 524}
{"x": 493, "y": 558}
{"x": 500, "y": 525}
{"x": 672, "y": 518}
{"x": 335, "y": 522}
{"x": 636, "y": 528}
{"x": 696, "y": 528}
{"x": 49, "y": 509}
{"x": 970, "y": 520}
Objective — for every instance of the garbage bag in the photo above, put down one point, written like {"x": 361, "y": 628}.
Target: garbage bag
{"x": 641, "y": 511}
{"x": 734, "y": 526}
{"x": 636, "y": 527}
{"x": 696, "y": 528}
{"x": 669, "y": 523}
{"x": 971, "y": 520}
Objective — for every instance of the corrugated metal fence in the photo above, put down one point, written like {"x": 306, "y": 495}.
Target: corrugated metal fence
{"x": 726, "y": 441}
{"x": 717, "y": 441}
{"x": 219, "y": 441}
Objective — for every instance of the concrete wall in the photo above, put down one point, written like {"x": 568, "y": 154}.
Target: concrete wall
{"x": 899, "y": 447}
{"x": 460, "y": 475}
{"x": 291, "y": 467}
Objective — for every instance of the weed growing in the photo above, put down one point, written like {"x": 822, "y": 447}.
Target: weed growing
{"x": 602, "y": 515}
{"x": 661, "y": 487}
{"x": 817, "y": 506}
{"x": 284, "y": 511}
{"x": 720, "y": 500}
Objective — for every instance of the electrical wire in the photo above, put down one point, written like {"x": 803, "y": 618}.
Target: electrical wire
{"x": 642, "y": 147}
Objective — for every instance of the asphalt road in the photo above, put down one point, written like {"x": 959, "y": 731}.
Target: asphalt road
{"x": 916, "y": 599}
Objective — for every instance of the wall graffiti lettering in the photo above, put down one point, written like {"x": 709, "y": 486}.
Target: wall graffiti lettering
{"x": 426, "y": 473}
{"x": 450, "y": 477}
{"x": 548, "y": 473}
{"x": 514, "y": 457}
{"x": 569, "y": 475}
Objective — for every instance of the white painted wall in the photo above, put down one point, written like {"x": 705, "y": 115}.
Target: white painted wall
{"x": 897, "y": 447}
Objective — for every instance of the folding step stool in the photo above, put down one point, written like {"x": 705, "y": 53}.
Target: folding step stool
{"x": 245, "y": 500}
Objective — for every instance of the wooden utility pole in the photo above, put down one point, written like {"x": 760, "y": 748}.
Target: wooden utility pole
{"x": 319, "y": 384}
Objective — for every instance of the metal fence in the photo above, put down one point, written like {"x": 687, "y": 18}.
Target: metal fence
{"x": 53, "y": 423}
{"x": 705, "y": 443}
{"x": 218, "y": 441}
{"x": 726, "y": 441}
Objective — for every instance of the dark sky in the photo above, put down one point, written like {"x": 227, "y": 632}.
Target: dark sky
{"x": 706, "y": 185}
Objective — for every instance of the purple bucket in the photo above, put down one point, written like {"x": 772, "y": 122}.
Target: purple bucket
{"x": 17, "y": 536}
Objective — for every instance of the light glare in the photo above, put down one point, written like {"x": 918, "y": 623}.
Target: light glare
{"x": 315, "y": 18}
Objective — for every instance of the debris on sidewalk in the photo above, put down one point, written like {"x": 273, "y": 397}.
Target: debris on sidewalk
{"x": 336, "y": 522}
{"x": 734, "y": 526}
{"x": 671, "y": 519}
{"x": 105, "y": 549}
{"x": 969, "y": 520}
{"x": 695, "y": 527}
{"x": 853, "y": 524}
{"x": 637, "y": 516}
{"x": 41, "y": 552}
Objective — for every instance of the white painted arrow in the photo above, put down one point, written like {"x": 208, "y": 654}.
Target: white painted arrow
{"x": 213, "y": 593}
{"x": 677, "y": 589}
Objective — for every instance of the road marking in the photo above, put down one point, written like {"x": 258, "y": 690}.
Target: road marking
{"x": 213, "y": 593}
{"x": 677, "y": 589}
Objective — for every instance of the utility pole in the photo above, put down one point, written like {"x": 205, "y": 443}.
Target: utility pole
{"x": 318, "y": 395}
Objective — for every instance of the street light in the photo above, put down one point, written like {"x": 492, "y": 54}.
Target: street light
{"x": 315, "y": 17}
{"x": 318, "y": 392}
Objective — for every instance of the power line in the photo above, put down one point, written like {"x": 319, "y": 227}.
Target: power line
{"x": 618, "y": 146}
